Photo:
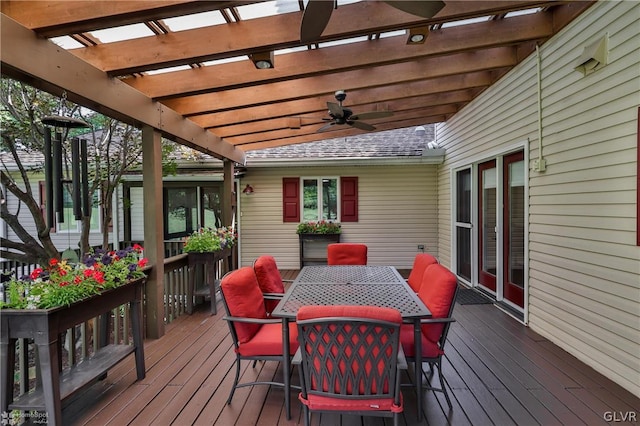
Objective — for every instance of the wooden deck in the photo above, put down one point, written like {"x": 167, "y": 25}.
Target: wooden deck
{"x": 499, "y": 371}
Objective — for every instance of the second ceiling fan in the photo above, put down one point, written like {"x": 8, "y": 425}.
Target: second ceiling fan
{"x": 317, "y": 13}
{"x": 341, "y": 115}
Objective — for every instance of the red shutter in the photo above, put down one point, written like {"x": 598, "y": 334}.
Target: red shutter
{"x": 349, "y": 199}
{"x": 291, "y": 199}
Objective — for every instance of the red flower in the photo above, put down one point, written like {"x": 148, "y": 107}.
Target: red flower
{"x": 64, "y": 283}
{"x": 137, "y": 248}
{"x": 53, "y": 262}
{"x": 88, "y": 273}
{"x": 36, "y": 273}
{"x": 99, "y": 276}
{"x": 77, "y": 279}
{"x": 143, "y": 262}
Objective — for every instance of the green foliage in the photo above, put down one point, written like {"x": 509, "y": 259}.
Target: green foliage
{"x": 62, "y": 283}
{"x": 210, "y": 239}
{"x": 320, "y": 227}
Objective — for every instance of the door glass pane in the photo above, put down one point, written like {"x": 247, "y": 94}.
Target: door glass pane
{"x": 310, "y": 199}
{"x": 463, "y": 252}
{"x": 489, "y": 221}
{"x": 463, "y": 224}
{"x": 516, "y": 223}
{"x": 463, "y": 196}
{"x": 330, "y": 199}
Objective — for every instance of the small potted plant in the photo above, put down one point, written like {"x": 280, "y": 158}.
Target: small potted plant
{"x": 319, "y": 227}
{"x": 207, "y": 240}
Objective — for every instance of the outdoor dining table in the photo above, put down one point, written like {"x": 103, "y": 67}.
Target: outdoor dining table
{"x": 323, "y": 285}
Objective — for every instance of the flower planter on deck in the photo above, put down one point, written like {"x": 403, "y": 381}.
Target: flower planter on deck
{"x": 313, "y": 248}
{"x": 44, "y": 326}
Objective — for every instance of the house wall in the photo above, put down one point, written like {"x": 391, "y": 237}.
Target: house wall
{"x": 397, "y": 211}
{"x": 584, "y": 268}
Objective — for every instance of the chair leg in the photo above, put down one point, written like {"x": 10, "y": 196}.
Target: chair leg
{"x": 442, "y": 384}
{"x": 307, "y": 415}
{"x": 235, "y": 382}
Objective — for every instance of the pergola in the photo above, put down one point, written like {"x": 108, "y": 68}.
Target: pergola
{"x": 211, "y": 97}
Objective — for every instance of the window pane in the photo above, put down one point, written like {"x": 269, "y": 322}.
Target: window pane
{"x": 95, "y": 213}
{"x": 69, "y": 224}
{"x": 211, "y": 207}
{"x": 310, "y": 199}
{"x": 330, "y": 199}
{"x": 181, "y": 208}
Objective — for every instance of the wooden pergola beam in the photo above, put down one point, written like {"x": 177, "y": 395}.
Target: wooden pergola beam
{"x": 46, "y": 66}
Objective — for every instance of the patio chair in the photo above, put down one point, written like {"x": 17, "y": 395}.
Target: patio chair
{"x": 255, "y": 337}
{"x": 438, "y": 291}
{"x": 420, "y": 263}
{"x": 350, "y": 360}
{"x": 269, "y": 280}
{"x": 346, "y": 254}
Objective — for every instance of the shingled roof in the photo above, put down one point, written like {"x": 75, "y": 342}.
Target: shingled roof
{"x": 405, "y": 142}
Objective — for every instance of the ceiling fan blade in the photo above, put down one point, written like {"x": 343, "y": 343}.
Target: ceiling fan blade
{"x": 335, "y": 109}
{"x": 424, "y": 9}
{"x": 372, "y": 115}
{"x": 325, "y": 127}
{"x": 315, "y": 19}
{"x": 360, "y": 125}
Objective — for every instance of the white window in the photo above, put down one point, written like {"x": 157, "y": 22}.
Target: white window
{"x": 320, "y": 198}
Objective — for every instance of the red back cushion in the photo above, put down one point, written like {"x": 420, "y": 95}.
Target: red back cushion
{"x": 244, "y": 299}
{"x": 420, "y": 263}
{"x": 269, "y": 279}
{"x": 268, "y": 275}
{"x": 372, "y": 312}
{"x": 437, "y": 290}
{"x": 346, "y": 254}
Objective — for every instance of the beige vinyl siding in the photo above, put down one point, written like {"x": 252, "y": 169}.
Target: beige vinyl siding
{"x": 397, "y": 211}
{"x": 584, "y": 266}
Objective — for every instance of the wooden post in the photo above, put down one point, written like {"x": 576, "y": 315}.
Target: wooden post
{"x": 153, "y": 230}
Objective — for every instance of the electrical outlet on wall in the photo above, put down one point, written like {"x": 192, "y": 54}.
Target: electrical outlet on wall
{"x": 421, "y": 247}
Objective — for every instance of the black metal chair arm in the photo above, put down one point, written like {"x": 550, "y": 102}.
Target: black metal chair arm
{"x": 253, "y": 320}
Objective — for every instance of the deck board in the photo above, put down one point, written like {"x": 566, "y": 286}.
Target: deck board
{"x": 499, "y": 372}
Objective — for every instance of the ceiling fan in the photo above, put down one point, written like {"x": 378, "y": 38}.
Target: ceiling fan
{"x": 317, "y": 13}
{"x": 341, "y": 115}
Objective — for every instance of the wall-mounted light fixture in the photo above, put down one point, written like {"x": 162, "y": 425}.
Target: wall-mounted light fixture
{"x": 418, "y": 35}
{"x": 248, "y": 190}
{"x": 262, "y": 60}
{"x": 594, "y": 56}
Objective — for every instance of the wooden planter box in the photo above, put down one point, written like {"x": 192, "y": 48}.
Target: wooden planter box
{"x": 313, "y": 248}
{"x": 210, "y": 262}
{"x": 44, "y": 326}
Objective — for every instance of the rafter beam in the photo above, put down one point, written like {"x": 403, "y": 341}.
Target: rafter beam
{"x": 46, "y": 66}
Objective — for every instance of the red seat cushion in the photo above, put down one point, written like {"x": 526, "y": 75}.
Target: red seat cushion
{"x": 420, "y": 264}
{"x": 269, "y": 278}
{"x": 244, "y": 299}
{"x": 437, "y": 290}
{"x": 346, "y": 254}
{"x": 268, "y": 341}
